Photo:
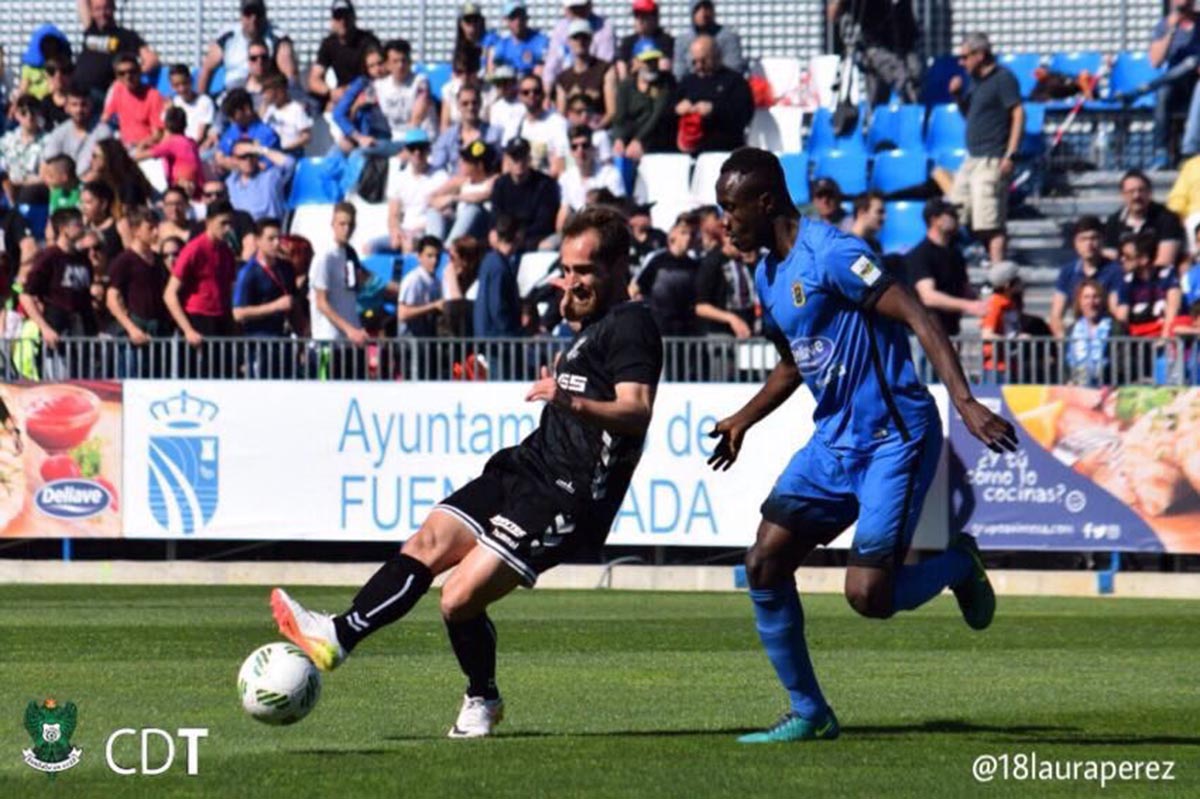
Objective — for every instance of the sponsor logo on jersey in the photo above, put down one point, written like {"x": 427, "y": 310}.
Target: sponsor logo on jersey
{"x": 812, "y": 354}
{"x": 866, "y": 270}
{"x": 507, "y": 530}
{"x": 576, "y": 384}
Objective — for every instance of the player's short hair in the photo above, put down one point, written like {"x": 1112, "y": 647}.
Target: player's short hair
{"x": 265, "y": 224}
{"x": 862, "y": 203}
{"x": 400, "y": 46}
{"x": 139, "y": 215}
{"x": 175, "y": 120}
{"x": 1088, "y": 224}
{"x": 179, "y": 71}
{"x": 219, "y": 208}
{"x": 507, "y": 227}
{"x": 427, "y": 241}
{"x": 346, "y": 208}
{"x": 101, "y": 191}
{"x": 63, "y": 217}
{"x": 1145, "y": 242}
{"x": 610, "y": 227}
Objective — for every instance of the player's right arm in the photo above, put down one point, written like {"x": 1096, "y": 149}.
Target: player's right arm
{"x": 781, "y": 384}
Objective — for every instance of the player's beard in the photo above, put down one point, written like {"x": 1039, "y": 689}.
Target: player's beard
{"x": 579, "y": 302}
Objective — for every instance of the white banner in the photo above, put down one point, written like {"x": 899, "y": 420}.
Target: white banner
{"x": 366, "y": 461}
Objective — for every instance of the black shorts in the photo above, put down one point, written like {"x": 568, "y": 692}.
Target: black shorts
{"x": 520, "y": 518}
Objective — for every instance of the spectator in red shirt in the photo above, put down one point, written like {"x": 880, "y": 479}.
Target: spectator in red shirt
{"x": 199, "y": 293}
{"x": 138, "y": 108}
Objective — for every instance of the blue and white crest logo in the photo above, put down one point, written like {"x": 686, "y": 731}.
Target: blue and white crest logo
{"x": 184, "y": 463}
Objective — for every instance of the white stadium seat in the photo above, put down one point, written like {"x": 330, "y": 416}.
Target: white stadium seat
{"x": 778, "y": 129}
{"x": 822, "y": 71}
{"x": 533, "y": 270}
{"x": 664, "y": 179}
{"x": 156, "y": 173}
{"x": 371, "y": 226}
{"x": 704, "y": 178}
{"x": 783, "y": 73}
{"x": 315, "y": 223}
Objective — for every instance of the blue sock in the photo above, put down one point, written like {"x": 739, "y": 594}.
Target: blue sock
{"x": 915, "y": 585}
{"x": 780, "y": 623}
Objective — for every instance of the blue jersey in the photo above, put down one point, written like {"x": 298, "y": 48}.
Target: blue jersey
{"x": 819, "y": 299}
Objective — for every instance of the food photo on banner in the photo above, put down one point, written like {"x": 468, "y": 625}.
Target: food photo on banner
{"x": 1097, "y": 469}
{"x": 60, "y": 460}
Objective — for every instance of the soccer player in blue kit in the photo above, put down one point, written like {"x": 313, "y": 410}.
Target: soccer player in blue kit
{"x": 840, "y": 323}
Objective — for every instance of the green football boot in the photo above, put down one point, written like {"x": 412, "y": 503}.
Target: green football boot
{"x": 975, "y": 596}
{"x": 796, "y": 728}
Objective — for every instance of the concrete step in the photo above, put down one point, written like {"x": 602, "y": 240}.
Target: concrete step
{"x": 1161, "y": 180}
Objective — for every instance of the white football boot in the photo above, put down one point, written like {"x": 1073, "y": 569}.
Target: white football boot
{"x": 312, "y": 632}
{"x": 478, "y": 717}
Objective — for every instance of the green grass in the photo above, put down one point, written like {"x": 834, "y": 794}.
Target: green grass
{"x": 609, "y": 694}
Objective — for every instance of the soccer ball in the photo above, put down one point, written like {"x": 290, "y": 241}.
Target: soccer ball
{"x": 279, "y": 684}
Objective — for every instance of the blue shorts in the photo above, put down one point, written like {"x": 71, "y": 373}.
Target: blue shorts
{"x": 822, "y": 491}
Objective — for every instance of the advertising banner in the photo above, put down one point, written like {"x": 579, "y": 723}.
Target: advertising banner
{"x": 60, "y": 460}
{"x": 367, "y": 461}
{"x": 1097, "y": 469}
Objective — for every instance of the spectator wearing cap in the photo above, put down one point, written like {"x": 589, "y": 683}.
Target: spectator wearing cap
{"x": 937, "y": 270}
{"x": 1089, "y": 264}
{"x": 647, "y": 35}
{"x": 286, "y": 116}
{"x": 704, "y": 23}
{"x": 465, "y": 195}
{"x": 243, "y": 123}
{"x": 231, "y": 48}
{"x": 869, "y": 216}
{"x": 827, "y": 204}
{"x": 256, "y": 190}
{"x": 77, "y": 137}
{"x": 995, "y": 123}
{"x": 1149, "y": 299}
{"x": 586, "y": 75}
{"x": 585, "y": 173}
{"x": 403, "y": 96}
{"x": 1140, "y": 212}
{"x": 528, "y": 195}
{"x": 47, "y": 44}
{"x": 470, "y": 127}
{"x": 714, "y": 101}
{"x": 544, "y": 129}
{"x": 505, "y": 109}
{"x": 343, "y": 51}
{"x": 410, "y": 188}
{"x": 558, "y": 55}
{"x": 261, "y": 68}
{"x": 472, "y": 36}
{"x": 357, "y": 114}
{"x": 137, "y": 107}
{"x": 580, "y": 112}
{"x": 521, "y": 47}
{"x": 102, "y": 39}
{"x": 644, "y": 121}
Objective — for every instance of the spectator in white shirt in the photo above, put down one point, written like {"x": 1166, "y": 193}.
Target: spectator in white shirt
{"x": 403, "y": 96}
{"x": 585, "y": 173}
{"x": 420, "y": 301}
{"x": 199, "y": 108}
{"x": 286, "y": 116}
{"x": 334, "y": 280}
{"x": 410, "y": 214}
{"x": 506, "y": 110}
{"x": 544, "y": 129}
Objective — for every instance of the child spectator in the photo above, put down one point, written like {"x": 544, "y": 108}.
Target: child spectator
{"x": 63, "y": 183}
{"x": 1087, "y": 351}
{"x": 420, "y": 301}
{"x": 1002, "y": 320}
{"x": 180, "y": 154}
{"x": 199, "y": 108}
{"x": 286, "y": 116}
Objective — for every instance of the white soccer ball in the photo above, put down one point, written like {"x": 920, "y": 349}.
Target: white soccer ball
{"x": 279, "y": 684}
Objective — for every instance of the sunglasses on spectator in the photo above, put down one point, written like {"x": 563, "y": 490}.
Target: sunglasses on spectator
{"x": 215, "y": 195}
{"x": 258, "y": 57}
{"x": 417, "y": 148}
{"x": 580, "y": 145}
{"x": 125, "y": 73}
{"x": 531, "y": 92}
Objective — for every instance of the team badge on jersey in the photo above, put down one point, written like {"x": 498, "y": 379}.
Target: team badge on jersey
{"x": 798, "y": 298}
{"x": 866, "y": 270}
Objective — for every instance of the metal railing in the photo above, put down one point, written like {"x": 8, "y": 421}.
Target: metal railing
{"x": 723, "y": 359}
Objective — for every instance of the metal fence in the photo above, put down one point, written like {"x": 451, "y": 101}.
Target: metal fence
{"x": 1117, "y": 361}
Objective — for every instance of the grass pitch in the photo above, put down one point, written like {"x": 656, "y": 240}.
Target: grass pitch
{"x": 608, "y": 694}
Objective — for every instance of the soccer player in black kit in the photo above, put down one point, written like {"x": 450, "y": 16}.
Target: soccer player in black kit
{"x": 553, "y": 496}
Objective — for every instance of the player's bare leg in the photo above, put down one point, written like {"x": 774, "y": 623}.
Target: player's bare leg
{"x": 439, "y": 545}
{"x": 480, "y": 579}
{"x": 770, "y": 570}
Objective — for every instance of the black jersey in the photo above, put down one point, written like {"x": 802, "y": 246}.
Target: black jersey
{"x": 579, "y": 459}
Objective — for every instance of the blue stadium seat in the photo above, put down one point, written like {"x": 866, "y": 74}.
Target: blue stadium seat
{"x": 949, "y": 160}
{"x": 847, "y": 167}
{"x": 1074, "y": 63}
{"x": 899, "y": 170}
{"x": 901, "y": 125}
{"x": 822, "y": 139}
{"x": 352, "y": 170}
{"x": 313, "y": 183}
{"x": 160, "y": 78}
{"x": 795, "y": 170}
{"x": 36, "y": 217}
{"x": 1022, "y": 66}
{"x": 1129, "y": 71}
{"x": 935, "y": 86}
{"x": 381, "y": 264}
{"x": 216, "y": 81}
{"x": 438, "y": 74}
{"x": 408, "y": 263}
{"x": 903, "y": 227}
{"x": 947, "y": 129}
{"x": 1033, "y": 140}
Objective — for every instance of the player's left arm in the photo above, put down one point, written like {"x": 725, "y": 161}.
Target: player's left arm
{"x": 627, "y": 415}
{"x": 897, "y": 302}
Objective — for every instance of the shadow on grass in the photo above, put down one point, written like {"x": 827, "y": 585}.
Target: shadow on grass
{"x": 519, "y": 734}
{"x": 1025, "y": 733}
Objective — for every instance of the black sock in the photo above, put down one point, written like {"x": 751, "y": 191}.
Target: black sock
{"x": 474, "y": 643}
{"x": 388, "y": 596}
